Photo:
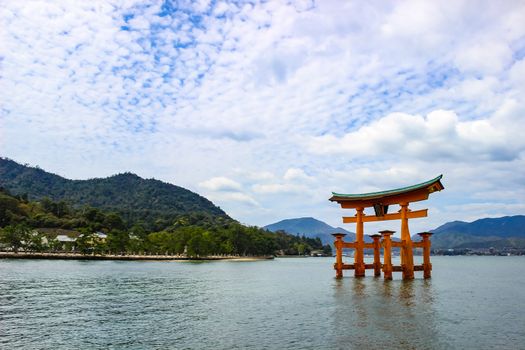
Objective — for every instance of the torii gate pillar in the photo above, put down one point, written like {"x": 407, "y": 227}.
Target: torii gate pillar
{"x": 407, "y": 256}
{"x": 359, "y": 255}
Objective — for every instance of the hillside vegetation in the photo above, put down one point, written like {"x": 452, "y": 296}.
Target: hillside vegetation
{"x": 173, "y": 219}
{"x": 152, "y": 202}
{"x": 24, "y": 225}
{"x": 498, "y": 233}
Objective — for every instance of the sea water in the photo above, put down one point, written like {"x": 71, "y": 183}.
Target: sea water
{"x": 286, "y": 303}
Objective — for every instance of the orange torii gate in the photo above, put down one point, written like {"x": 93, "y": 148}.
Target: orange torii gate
{"x": 380, "y": 201}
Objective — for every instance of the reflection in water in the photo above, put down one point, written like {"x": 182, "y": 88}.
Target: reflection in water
{"x": 374, "y": 313}
{"x": 470, "y": 302}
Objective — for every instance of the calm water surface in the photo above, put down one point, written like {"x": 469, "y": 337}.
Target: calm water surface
{"x": 471, "y": 302}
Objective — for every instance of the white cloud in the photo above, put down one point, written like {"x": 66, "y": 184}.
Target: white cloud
{"x": 234, "y": 197}
{"x": 484, "y": 57}
{"x": 221, "y": 184}
{"x": 294, "y": 174}
{"x": 439, "y": 135}
{"x": 255, "y": 176}
{"x": 277, "y": 188}
{"x": 345, "y": 96}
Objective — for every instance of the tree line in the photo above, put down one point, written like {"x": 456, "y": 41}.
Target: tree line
{"x": 22, "y": 224}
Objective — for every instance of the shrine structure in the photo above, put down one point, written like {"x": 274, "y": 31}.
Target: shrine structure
{"x": 381, "y": 201}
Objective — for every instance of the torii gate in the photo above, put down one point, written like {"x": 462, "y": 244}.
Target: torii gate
{"x": 380, "y": 201}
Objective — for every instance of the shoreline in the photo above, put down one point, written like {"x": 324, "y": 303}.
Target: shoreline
{"x": 74, "y": 256}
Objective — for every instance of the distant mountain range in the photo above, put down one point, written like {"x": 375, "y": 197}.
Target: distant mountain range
{"x": 151, "y": 201}
{"x": 505, "y": 232}
{"x": 309, "y": 227}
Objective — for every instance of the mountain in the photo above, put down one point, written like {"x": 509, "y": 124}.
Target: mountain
{"x": 310, "y": 227}
{"x": 499, "y": 233}
{"x": 504, "y": 232}
{"x": 151, "y": 201}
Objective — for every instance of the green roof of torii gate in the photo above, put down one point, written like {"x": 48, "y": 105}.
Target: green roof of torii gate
{"x": 336, "y": 197}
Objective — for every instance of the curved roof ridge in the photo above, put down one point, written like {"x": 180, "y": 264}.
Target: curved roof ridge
{"x": 389, "y": 192}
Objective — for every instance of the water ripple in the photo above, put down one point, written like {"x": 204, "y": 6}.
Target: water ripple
{"x": 281, "y": 304}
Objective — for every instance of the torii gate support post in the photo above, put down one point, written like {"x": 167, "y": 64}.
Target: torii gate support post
{"x": 377, "y": 260}
{"x": 407, "y": 255}
{"x": 387, "y": 253}
{"x": 359, "y": 255}
{"x": 427, "y": 266}
{"x": 338, "y": 254}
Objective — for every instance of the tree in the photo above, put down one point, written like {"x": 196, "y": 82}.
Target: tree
{"x": 227, "y": 247}
{"x": 48, "y": 205}
{"x": 93, "y": 215}
{"x": 113, "y": 221}
{"x": 15, "y": 236}
{"x": 61, "y": 209}
{"x": 35, "y": 241}
{"x": 138, "y": 231}
{"x": 10, "y": 211}
{"x": 135, "y": 245}
{"x": 54, "y": 244}
{"x": 85, "y": 241}
{"x": 117, "y": 241}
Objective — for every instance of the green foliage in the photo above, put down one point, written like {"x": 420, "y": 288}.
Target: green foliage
{"x": 195, "y": 234}
{"x": 86, "y": 241}
{"x": 10, "y": 210}
{"x": 15, "y": 236}
{"x": 154, "y": 203}
{"x": 117, "y": 241}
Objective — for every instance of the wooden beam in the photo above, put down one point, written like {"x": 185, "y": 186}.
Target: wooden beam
{"x": 348, "y": 267}
{"x": 393, "y": 216}
{"x": 398, "y": 244}
{"x": 418, "y": 244}
{"x": 349, "y": 245}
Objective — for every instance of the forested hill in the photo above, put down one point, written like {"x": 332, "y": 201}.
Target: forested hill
{"x": 153, "y": 202}
{"x": 504, "y": 232}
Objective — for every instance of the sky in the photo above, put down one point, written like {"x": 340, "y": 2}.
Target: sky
{"x": 267, "y": 107}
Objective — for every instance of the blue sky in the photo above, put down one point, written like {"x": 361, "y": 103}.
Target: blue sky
{"x": 267, "y": 107}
